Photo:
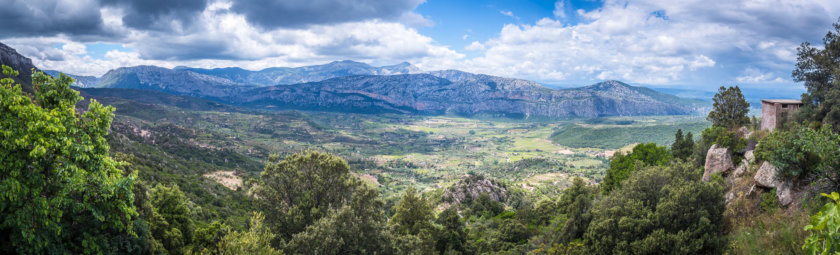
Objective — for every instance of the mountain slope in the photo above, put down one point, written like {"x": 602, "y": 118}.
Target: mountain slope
{"x": 168, "y": 80}
{"x": 288, "y": 75}
{"x": 82, "y": 81}
{"x": 11, "y": 58}
{"x": 469, "y": 95}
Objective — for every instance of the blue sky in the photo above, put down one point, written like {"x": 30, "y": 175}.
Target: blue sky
{"x": 690, "y": 44}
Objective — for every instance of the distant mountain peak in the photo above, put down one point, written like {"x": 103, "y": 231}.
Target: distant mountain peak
{"x": 608, "y": 86}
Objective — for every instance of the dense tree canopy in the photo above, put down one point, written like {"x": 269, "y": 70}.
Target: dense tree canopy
{"x": 60, "y": 191}
{"x": 730, "y": 108}
{"x": 818, "y": 69}
{"x": 301, "y": 189}
{"x": 621, "y": 165}
{"x": 683, "y": 145}
{"x": 172, "y": 222}
{"x": 659, "y": 210}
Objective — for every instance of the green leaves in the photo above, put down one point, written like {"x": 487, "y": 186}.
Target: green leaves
{"x": 646, "y": 154}
{"x": 825, "y": 228}
{"x": 60, "y": 192}
{"x": 801, "y": 151}
{"x": 730, "y": 108}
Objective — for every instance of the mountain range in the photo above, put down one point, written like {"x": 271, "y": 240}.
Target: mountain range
{"x": 349, "y": 86}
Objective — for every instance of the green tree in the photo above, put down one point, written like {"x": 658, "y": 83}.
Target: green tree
{"x": 412, "y": 222}
{"x": 621, "y": 166}
{"x": 413, "y": 214}
{"x": 683, "y": 146}
{"x": 730, "y": 108}
{"x": 301, "y": 189}
{"x": 825, "y": 228}
{"x": 723, "y": 138}
{"x": 60, "y": 191}
{"x": 171, "y": 222}
{"x": 452, "y": 237}
{"x": 802, "y": 151}
{"x": 659, "y": 210}
{"x": 206, "y": 238}
{"x": 485, "y": 206}
{"x": 817, "y": 68}
{"x": 356, "y": 228}
{"x": 575, "y": 203}
{"x": 257, "y": 240}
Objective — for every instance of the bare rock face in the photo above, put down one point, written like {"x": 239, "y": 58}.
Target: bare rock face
{"x": 750, "y": 155}
{"x": 742, "y": 168}
{"x": 471, "y": 187}
{"x": 743, "y": 132}
{"x": 717, "y": 161}
{"x": 785, "y": 193}
{"x": 767, "y": 176}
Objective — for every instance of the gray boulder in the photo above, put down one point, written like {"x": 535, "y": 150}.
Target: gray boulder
{"x": 767, "y": 176}
{"x": 717, "y": 161}
{"x": 742, "y": 168}
{"x": 785, "y": 193}
{"x": 750, "y": 155}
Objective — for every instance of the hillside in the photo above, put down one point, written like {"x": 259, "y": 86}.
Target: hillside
{"x": 11, "y": 58}
{"x": 82, "y": 81}
{"x": 439, "y": 92}
{"x": 292, "y": 75}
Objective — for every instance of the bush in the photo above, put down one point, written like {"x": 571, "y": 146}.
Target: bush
{"x": 802, "y": 151}
{"x": 646, "y": 154}
{"x": 769, "y": 202}
{"x": 659, "y": 210}
{"x": 723, "y": 138}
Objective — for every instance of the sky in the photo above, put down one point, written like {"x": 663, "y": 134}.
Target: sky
{"x": 691, "y": 44}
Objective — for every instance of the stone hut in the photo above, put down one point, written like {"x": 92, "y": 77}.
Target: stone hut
{"x": 772, "y": 109}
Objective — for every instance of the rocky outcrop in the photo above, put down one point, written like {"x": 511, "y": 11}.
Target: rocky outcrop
{"x": 718, "y": 160}
{"x": 431, "y": 93}
{"x": 471, "y": 187}
{"x": 10, "y": 57}
{"x": 750, "y": 156}
{"x": 742, "y": 168}
{"x": 767, "y": 176}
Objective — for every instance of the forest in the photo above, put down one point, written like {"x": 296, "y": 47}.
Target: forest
{"x": 75, "y": 181}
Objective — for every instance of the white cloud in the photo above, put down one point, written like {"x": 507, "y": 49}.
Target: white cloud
{"x": 509, "y": 14}
{"x": 656, "y": 41}
{"x": 220, "y": 38}
{"x": 753, "y": 76}
{"x": 560, "y": 9}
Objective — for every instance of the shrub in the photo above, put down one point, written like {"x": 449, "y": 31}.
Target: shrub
{"x": 801, "y": 151}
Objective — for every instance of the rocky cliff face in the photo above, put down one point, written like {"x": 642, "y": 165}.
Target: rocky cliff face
{"x": 11, "y": 58}
{"x": 82, "y": 81}
{"x": 468, "y": 94}
{"x": 438, "y": 92}
{"x": 286, "y": 75}
{"x": 168, "y": 80}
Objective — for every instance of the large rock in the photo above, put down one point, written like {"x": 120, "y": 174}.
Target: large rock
{"x": 767, "y": 176}
{"x": 785, "y": 193}
{"x": 717, "y": 161}
{"x": 750, "y": 155}
{"x": 742, "y": 169}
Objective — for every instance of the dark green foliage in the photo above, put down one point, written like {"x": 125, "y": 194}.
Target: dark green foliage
{"x": 817, "y": 68}
{"x": 578, "y": 136}
{"x": 683, "y": 146}
{"x": 802, "y": 151}
{"x": 171, "y": 222}
{"x": 207, "y": 237}
{"x": 730, "y": 108}
{"x": 486, "y": 206}
{"x": 412, "y": 221}
{"x": 659, "y": 210}
{"x": 723, "y": 138}
{"x": 452, "y": 236}
{"x": 621, "y": 166}
{"x": 356, "y": 228}
{"x": 301, "y": 189}
{"x": 575, "y": 203}
{"x": 769, "y": 202}
{"x": 60, "y": 191}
